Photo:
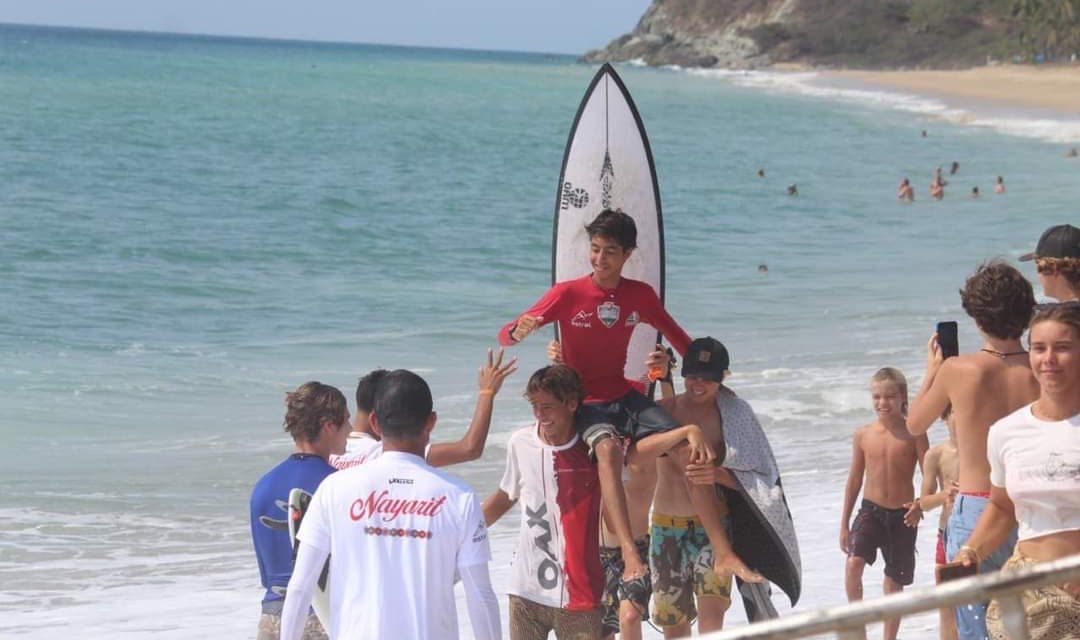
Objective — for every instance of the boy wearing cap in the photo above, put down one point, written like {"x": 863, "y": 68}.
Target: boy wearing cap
{"x": 1057, "y": 259}
{"x": 597, "y": 315}
{"x": 681, "y": 557}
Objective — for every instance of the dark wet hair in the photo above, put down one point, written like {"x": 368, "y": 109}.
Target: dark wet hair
{"x": 614, "y": 225}
{"x": 402, "y": 404}
{"x": 559, "y": 380}
{"x": 365, "y": 390}
{"x": 999, "y": 299}
{"x": 309, "y": 406}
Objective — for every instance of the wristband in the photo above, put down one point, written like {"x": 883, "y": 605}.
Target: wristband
{"x": 486, "y": 392}
{"x": 978, "y": 558}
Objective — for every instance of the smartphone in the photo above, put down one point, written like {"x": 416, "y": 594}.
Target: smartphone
{"x": 954, "y": 570}
{"x": 946, "y": 333}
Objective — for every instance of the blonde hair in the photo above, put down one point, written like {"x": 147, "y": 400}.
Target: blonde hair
{"x": 895, "y": 376}
{"x": 1068, "y": 268}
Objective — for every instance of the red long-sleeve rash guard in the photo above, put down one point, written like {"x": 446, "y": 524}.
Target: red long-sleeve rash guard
{"x": 595, "y": 326}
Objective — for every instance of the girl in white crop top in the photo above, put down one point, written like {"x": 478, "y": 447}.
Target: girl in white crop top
{"x": 1035, "y": 474}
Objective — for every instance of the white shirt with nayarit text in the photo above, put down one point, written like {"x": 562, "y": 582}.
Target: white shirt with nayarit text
{"x": 397, "y": 531}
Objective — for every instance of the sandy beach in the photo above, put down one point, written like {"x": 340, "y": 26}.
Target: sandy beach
{"x": 1049, "y": 87}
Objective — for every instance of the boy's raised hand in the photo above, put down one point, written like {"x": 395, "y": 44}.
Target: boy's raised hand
{"x": 494, "y": 372}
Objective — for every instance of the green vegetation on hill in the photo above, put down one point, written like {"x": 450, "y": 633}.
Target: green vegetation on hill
{"x": 851, "y": 33}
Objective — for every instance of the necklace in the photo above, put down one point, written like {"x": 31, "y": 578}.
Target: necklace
{"x": 998, "y": 354}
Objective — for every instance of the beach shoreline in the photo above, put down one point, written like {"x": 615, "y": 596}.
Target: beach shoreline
{"x": 1050, "y": 87}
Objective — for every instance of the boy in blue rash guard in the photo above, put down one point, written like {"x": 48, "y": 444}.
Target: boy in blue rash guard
{"x": 317, "y": 418}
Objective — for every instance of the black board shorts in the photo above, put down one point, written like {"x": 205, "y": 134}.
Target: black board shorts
{"x": 631, "y": 417}
{"x": 877, "y": 527}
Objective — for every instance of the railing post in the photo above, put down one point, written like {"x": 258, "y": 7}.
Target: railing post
{"x": 1013, "y": 617}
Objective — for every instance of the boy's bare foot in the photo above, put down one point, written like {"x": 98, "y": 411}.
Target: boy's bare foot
{"x": 730, "y": 564}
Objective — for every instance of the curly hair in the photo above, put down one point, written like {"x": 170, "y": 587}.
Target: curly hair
{"x": 999, "y": 299}
{"x": 309, "y": 406}
{"x": 1069, "y": 268}
{"x": 559, "y": 380}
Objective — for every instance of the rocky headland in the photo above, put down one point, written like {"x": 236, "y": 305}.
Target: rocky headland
{"x": 860, "y": 34}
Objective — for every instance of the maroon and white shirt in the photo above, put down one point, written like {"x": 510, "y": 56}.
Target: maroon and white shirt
{"x": 397, "y": 531}
{"x": 557, "y": 562}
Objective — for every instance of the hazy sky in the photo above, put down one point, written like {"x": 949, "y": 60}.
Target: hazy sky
{"x": 555, "y": 26}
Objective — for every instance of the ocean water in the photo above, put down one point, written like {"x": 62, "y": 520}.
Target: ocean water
{"x": 192, "y": 226}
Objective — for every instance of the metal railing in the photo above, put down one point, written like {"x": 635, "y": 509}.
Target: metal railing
{"x": 849, "y": 621}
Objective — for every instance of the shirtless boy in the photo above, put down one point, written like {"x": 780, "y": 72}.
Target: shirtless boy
{"x": 597, "y": 315}
{"x": 680, "y": 556}
{"x": 886, "y": 454}
{"x": 940, "y": 470}
{"x": 982, "y": 387}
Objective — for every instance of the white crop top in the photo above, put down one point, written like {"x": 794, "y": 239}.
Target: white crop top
{"x": 1038, "y": 463}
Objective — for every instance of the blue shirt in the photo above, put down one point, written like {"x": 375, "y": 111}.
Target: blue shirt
{"x": 269, "y": 518}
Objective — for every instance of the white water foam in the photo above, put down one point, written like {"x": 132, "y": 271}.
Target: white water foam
{"x": 1048, "y": 129}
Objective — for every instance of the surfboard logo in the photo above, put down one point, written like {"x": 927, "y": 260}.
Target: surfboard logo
{"x": 608, "y": 314}
{"x": 607, "y": 180}
{"x": 574, "y": 197}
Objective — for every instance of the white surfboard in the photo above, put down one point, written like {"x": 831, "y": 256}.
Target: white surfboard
{"x": 608, "y": 165}
{"x": 298, "y": 504}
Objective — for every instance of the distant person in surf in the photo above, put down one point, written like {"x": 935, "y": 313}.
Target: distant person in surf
{"x": 982, "y": 387}
{"x": 793, "y": 189}
{"x": 1057, "y": 259}
{"x": 365, "y": 442}
{"x": 397, "y": 532}
{"x": 886, "y": 455}
{"x": 761, "y": 172}
{"x": 317, "y": 418}
{"x": 954, "y": 168}
{"x": 999, "y": 186}
{"x": 905, "y": 193}
{"x": 556, "y": 579}
{"x": 1072, "y": 153}
{"x": 937, "y": 191}
{"x": 597, "y": 315}
{"x": 763, "y": 268}
{"x": 924, "y": 133}
{"x": 974, "y": 192}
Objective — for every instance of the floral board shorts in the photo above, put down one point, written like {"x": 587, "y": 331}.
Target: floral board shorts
{"x": 681, "y": 562}
{"x": 637, "y": 591}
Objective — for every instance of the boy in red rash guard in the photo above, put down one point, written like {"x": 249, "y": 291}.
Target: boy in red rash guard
{"x": 597, "y": 315}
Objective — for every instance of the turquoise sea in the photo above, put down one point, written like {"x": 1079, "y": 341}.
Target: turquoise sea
{"x": 191, "y": 226}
